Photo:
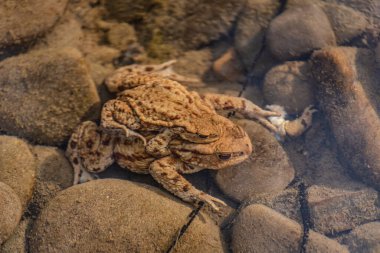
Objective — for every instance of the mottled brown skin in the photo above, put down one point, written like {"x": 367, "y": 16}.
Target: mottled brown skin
{"x": 156, "y": 126}
{"x": 92, "y": 149}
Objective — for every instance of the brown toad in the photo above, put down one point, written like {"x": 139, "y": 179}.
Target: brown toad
{"x": 165, "y": 131}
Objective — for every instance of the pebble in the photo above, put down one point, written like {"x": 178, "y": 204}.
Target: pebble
{"x": 228, "y": 67}
{"x": 53, "y": 166}
{"x": 347, "y": 81}
{"x": 285, "y": 202}
{"x": 42, "y": 15}
{"x": 11, "y": 211}
{"x": 261, "y": 229}
{"x": 17, "y": 241}
{"x": 46, "y": 94}
{"x": 364, "y": 238}
{"x": 290, "y": 85}
{"x": 298, "y": 31}
{"x": 120, "y": 215}
{"x": 17, "y": 167}
{"x": 267, "y": 170}
{"x": 341, "y": 18}
{"x": 251, "y": 27}
{"x": 336, "y": 210}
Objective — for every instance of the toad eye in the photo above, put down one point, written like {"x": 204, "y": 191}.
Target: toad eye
{"x": 224, "y": 156}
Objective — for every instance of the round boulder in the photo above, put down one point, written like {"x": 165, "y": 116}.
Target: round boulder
{"x": 17, "y": 167}
{"x": 122, "y": 216}
{"x": 267, "y": 170}
{"x": 41, "y": 14}
{"x": 290, "y": 85}
{"x": 298, "y": 31}
{"x": 45, "y": 95}
{"x": 11, "y": 211}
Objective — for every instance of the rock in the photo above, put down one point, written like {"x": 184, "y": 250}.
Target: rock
{"x": 17, "y": 242}
{"x": 195, "y": 64}
{"x": 377, "y": 52}
{"x": 41, "y": 14}
{"x": 53, "y": 166}
{"x": 181, "y": 23}
{"x": 298, "y": 31}
{"x": 370, "y": 8}
{"x": 121, "y": 36}
{"x": 251, "y": 27}
{"x": 17, "y": 167}
{"x": 261, "y": 229}
{"x": 11, "y": 211}
{"x": 67, "y": 33}
{"x": 285, "y": 202}
{"x": 341, "y": 17}
{"x": 228, "y": 67}
{"x": 121, "y": 215}
{"x": 346, "y": 85}
{"x": 364, "y": 239}
{"x": 336, "y": 210}
{"x": 291, "y": 86}
{"x": 267, "y": 170}
{"x": 45, "y": 95}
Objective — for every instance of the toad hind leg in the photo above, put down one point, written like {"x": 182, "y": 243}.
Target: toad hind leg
{"x": 241, "y": 105}
{"x": 117, "y": 114}
{"x": 89, "y": 151}
{"x": 165, "y": 171}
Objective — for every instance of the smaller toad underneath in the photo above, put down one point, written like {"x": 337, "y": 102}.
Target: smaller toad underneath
{"x": 171, "y": 133}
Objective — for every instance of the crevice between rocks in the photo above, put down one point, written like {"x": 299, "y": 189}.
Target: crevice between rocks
{"x": 305, "y": 214}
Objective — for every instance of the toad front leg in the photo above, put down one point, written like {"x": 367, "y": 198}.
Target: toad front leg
{"x": 166, "y": 172}
{"x": 89, "y": 151}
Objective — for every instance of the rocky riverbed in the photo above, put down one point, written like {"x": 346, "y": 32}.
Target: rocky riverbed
{"x": 315, "y": 193}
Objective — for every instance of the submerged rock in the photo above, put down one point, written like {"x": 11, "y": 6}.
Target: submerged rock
{"x": 291, "y": 86}
{"x": 17, "y": 167}
{"x": 364, "y": 239}
{"x": 251, "y": 28}
{"x": 335, "y": 210}
{"x": 45, "y": 94}
{"x": 122, "y": 216}
{"x": 15, "y": 30}
{"x": 267, "y": 170}
{"x": 346, "y": 85}
{"x": 298, "y": 31}
{"x": 261, "y": 229}
{"x": 11, "y": 211}
{"x": 341, "y": 19}
{"x": 17, "y": 241}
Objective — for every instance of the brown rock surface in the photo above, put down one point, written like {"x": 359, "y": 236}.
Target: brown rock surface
{"x": 290, "y": 85}
{"x": 10, "y": 210}
{"x": 45, "y": 95}
{"x": 121, "y": 215}
{"x": 17, "y": 242}
{"x": 251, "y": 27}
{"x": 41, "y": 14}
{"x": 261, "y": 229}
{"x": 17, "y": 167}
{"x": 364, "y": 239}
{"x": 298, "y": 31}
{"x": 341, "y": 19}
{"x": 268, "y": 169}
{"x": 347, "y": 81}
{"x": 335, "y": 210}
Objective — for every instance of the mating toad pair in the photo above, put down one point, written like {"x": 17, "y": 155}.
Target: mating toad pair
{"x": 156, "y": 126}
